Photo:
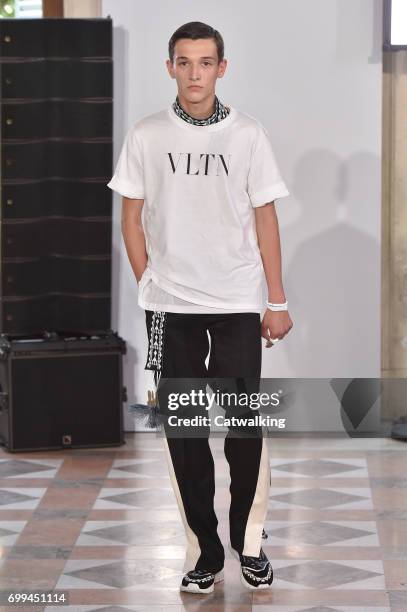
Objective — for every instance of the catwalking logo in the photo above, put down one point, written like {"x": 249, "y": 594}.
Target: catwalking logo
{"x": 207, "y": 400}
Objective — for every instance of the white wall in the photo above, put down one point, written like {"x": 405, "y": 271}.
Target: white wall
{"x": 311, "y": 72}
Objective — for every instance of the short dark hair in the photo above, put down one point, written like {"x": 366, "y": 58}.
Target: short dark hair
{"x": 195, "y": 30}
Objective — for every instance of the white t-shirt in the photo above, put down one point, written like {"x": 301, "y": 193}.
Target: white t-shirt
{"x": 200, "y": 185}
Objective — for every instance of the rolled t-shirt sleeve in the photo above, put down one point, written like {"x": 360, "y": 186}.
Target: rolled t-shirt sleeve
{"x": 265, "y": 182}
{"x": 128, "y": 178}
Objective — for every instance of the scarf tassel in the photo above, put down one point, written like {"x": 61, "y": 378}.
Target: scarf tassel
{"x": 148, "y": 414}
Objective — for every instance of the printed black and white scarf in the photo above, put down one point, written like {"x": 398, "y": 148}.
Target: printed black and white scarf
{"x": 218, "y": 114}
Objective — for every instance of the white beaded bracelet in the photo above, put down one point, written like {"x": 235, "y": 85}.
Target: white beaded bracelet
{"x": 277, "y": 307}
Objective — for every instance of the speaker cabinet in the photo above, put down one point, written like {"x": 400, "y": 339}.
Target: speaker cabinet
{"x": 61, "y": 392}
{"x": 56, "y": 158}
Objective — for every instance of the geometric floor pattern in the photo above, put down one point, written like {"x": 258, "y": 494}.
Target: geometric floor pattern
{"x": 103, "y": 526}
{"x": 319, "y": 468}
{"x": 323, "y": 533}
{"x": 320, "y": 498}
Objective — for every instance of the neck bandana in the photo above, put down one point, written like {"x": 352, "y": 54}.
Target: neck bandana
{"x": 219, "y": 113}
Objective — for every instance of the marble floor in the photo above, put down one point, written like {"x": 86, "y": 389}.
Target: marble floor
{"x": 98, "y": 524}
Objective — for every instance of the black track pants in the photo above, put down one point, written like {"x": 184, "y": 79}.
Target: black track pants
{"x": 234, "y": 365}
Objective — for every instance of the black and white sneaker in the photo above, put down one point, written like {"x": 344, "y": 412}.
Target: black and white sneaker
{"x": 200, "y": 581}
{"x": 255, "y": 572}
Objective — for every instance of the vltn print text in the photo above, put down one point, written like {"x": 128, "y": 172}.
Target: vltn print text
{"x": 206, "y": 164}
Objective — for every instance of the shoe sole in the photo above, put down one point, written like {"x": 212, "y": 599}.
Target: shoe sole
{"x": 242, "y": 578}
{"x": 194, "y": 588}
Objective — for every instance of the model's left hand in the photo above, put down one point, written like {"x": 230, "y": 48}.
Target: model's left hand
{"x": 275, "y": 324}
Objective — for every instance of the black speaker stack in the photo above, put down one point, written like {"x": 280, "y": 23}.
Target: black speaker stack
{"x": 61, "y": 381}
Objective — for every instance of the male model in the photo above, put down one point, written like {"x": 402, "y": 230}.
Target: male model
{"x": 206, "y": 178}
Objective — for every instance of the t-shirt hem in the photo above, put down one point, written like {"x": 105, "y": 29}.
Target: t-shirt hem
{"x": 193, "y": 309}
{"x": 171, "y": 290}
{"x": 124, "y": 189}
{"x": 260, "y": 198}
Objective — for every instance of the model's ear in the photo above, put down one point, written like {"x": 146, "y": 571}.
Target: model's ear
{"x": 222, "y": 67}
{"x": 170, "y": 68}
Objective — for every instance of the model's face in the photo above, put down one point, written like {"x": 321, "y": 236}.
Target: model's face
{"x": 196, "y": 68}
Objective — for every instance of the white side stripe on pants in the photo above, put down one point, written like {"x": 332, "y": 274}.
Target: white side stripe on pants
{"x": 258, "y": 510}
{"x": 193, "y": 549}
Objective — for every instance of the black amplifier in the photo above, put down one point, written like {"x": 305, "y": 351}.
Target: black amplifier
{"x": 60, "y": 391}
